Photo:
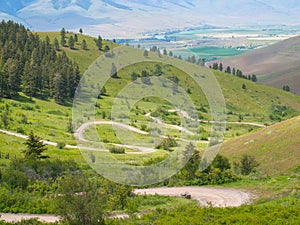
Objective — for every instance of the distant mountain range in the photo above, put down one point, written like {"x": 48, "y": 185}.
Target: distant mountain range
{"x": 277, "y": 65}
{"x": 132, "y": 17}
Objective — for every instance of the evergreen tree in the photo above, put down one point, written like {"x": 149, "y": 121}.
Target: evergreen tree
{"x": 215, "y": 66}
{"x": 200, "y": 62}
{"x": 134, "y": 76}
{"x": 114, "y": 71}
{"x": 56, "y": 44}
{"x": 193, "y": 59}
{"x": 221, "y": 67}
{"x": 233, "y": 71}
{"x": 228, "y": 70}
{"x": 165, "y": 52}
{"x": 83, "y": 45}
{"x": 59, "y": 87}
{"x": 71, "y": 42}
{"x": 13, "y": 79}
{"x": 146, "y": 54}
{"x": 75, "y": 38}
{"x": 80, "y": 31}
{"x": 99, "y": 43}
{"x": 34, "y": 147}
{"x": 63, "y": 37}
{"x": 106, "y": 48}
{"x": 254, "y": 78}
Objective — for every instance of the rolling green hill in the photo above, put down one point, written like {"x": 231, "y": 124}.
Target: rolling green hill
{"x": 276, "y": 148}
{"x": 255, "y": 103}
{"x": 276, "y": 65}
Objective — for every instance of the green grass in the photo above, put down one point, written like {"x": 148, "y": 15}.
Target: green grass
{"x": 50, "y": 121}
{"x": 12, "y": 147}
{"x": 84, "y": 58}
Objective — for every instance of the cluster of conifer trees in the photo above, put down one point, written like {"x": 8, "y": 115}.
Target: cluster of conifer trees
{"x": 33, "y": 66}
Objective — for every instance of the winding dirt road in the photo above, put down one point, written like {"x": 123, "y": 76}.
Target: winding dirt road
{"x": 187, "y": 116}
{"x": 217, "y": 197}
{"x": 11, "y": 217}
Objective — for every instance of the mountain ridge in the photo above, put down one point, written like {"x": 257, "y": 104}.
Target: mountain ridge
{"x": 110, "y": 17}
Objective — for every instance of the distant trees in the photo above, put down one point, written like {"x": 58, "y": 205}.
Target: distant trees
{"x": 80, "y": 31}
{"x": 63, "y": 37}
{"x": 221, "y": 67}
{"x": 215, "y": 66}
{"x": 233, "y": 71}
{"x": 75, "y": 38}
{"x": 146, "y": 54}
{"x": 99, "y": 43}
{"x": 286, "y": 88}
{"x": 32, "y": 65}
{"x": 34, "y": 147}
{"x": 113, "y": 71}
{"x": 56, "y": 44}
{"x": 71, "y": 42}
{"x": 84, "y": 45}
{"x": 228, "y": 70}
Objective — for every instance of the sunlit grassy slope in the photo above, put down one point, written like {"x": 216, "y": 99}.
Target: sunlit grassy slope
{"x": 276, "y": 148}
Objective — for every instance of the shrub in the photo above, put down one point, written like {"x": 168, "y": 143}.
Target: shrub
{"x": 116, "y": 150}
{"x": 61, "y": 145}
{"x": 248, "y": 164}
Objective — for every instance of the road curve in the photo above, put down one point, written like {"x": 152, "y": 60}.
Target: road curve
{"x": 217, "y": 197}
{"x": 11, "y": 217}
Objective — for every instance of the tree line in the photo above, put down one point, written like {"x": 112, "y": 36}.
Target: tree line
{"x": 233, "y": 71}
{"x": 33, "y": 66}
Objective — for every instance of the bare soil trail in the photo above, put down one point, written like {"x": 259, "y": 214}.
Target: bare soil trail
{"x": 217, "y": 197}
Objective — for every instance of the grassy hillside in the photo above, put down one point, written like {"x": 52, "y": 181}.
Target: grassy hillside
{"x": 84, "y": 58}
{"x": 276, "y": 148}
{"x": 256, "y": 103}
{"x": 276, "y": 65}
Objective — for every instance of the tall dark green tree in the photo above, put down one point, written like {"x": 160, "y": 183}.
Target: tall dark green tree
{"x": 221, "y": 67}
{"x": 63, "y": 37}
{"x": 228, "y": 70}
{"x": 83, "y": 45}
{"x": 56, "y": 44}
{"x": 71, "y": 42}
{"x": 113, "y": 71}
{"x": 99, "y": 43}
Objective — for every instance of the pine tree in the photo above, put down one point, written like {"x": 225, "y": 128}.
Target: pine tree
{"x": 99, "y": 43}
{"x": 228, "y": 70}
{"x": 56, "y": 44}
{"x": 221, "y": 67}
{"x": 71, "y": 42}
{"x": 165, "y": 52}
{"x": 34, "y": 147}
{"x": 233, "y": 71}
{"x": 146, "y": 54}
{"x": 63, "y": 37}
{"x": 84, "y": 45}
{"x": 75, "y": 38}
{"x": 114, "y": 71}
{"x": 80, "y": 31}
